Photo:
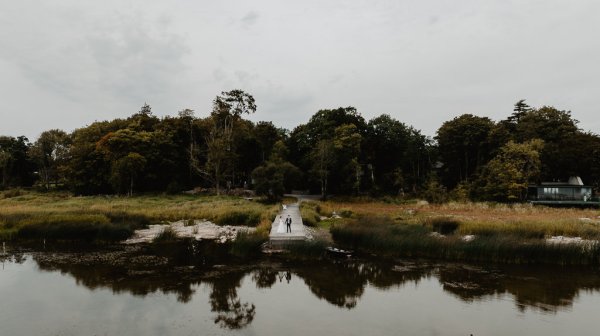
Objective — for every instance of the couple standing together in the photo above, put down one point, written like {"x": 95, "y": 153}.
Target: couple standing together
{"x": 288, "y": 224}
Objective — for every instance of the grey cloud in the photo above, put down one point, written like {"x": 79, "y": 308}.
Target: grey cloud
{"x": 120, "y": 57}
{"x": 421, "y": 62}
{"x": 250, "y": 18}
{"x": 219, "y": 75}
{"x": 136, "y": 64}
{"x": 245, "y": 77}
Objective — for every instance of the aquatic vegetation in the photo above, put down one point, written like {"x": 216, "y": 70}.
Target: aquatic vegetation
{"x": 248, "y": 218}
{"x": 46, "y": 215}
{"x": 309, "y": 249}
{"x": 248, "y": 244}
{"x": 384, "y": 236}
{"x": 166, "y": 235}
{"x": 310, "y": 213}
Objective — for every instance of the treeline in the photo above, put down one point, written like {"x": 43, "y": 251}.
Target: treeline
{"x": 336, "y": 152}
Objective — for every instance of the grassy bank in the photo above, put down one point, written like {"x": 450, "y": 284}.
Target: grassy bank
{"x": 63, "y": 216}
{"x": 502, "y": 233}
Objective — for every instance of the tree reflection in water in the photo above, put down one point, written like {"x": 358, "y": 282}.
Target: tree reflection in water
{"x": 548, "y": 289}
{"x": 265, "y": 277}
{"x": 231, "y": 312}
{"x": 339, "y": 282}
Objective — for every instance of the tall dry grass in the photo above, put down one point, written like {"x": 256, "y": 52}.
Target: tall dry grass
{"x": 485, "y": 218}
{"x": 383, "y": 236}
{"x": 505, "y": 233}
{"x": 39, "y": 214}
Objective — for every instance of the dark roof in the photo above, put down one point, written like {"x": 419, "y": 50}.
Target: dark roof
{"x": 559, "y": 185}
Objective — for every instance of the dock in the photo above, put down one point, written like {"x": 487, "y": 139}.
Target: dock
{"x": 298, "y": 233}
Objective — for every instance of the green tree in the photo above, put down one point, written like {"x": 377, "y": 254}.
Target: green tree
{"x": 15, "y": 166}
{"x": 181, "y": 137}
{"x": 322, "y": 157}
{"x": 507, "y": 176}
{"x": 463, "y": 147}
{"x": 273, "y": 178}
{"x": 125, "y": 170}
{"x": 88, "y": 169}
{"x": 520, "y": 109}
{"x": 399, "y": 156}
{"x": 276, "y": 176}
{"x": 50, "y": 153}
{"x": 306, "y": 140}
{"x": 220, "y": 139}
{"x": 580, "y": 156}
{"x": 143, "y": 120}
{"x": 266, "y": 134}
{"x": 5, "y": 165}
{"x": 187, "y": 116}
{"x": 155, "y": 146}
{"x": 557, "y": 128}
{"x": 433, "y": 191}
{"x": 346, "y": 142}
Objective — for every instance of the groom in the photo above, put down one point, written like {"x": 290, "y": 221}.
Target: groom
{"x": 288, "y": 223}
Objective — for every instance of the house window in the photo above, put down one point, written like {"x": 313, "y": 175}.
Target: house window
{"x": 549, "y": 191}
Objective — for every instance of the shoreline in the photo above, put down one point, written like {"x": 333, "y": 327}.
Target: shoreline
{"x": 481, "y": 232}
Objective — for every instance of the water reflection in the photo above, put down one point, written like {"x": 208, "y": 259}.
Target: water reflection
{"x": 546, "y": 289}
{"x": 231, "y": 312}
{"x": 266, "y": 277}
{"x": 342, "y": 283}
{"x": 16, "y": 258}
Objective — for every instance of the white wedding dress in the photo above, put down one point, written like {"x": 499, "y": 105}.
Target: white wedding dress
{"x": 281, "y": 228}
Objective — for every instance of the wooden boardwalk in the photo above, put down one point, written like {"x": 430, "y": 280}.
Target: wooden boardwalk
{"x": 298, "y": 230}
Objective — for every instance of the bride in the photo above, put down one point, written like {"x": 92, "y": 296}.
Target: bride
{"x": 281, "y": 227}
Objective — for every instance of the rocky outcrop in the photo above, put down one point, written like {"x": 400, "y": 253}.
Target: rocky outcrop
{"x": 198, "y": 230}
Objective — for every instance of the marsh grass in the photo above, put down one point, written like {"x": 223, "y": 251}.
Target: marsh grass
{"x": 10, "y": 193}
{"x": 484, "y": 219}
{"x": 384, "y": 236}
{"x": 248, "y": 245}
{"x": 443, "y": 225}
{"x": 328, "y": 223}
{"x": 310, "y": 213}
{"x": 167, "y": 235}
{"x": 247, "y": 218}
{"x": 532, "y": 228}
{"x": 46, "y": 215}
{"x": 309, "y": 249}
{"x": 289, "y": 200}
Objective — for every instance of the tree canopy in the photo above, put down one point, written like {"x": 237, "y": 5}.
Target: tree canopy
{"x": 336, "y": 151}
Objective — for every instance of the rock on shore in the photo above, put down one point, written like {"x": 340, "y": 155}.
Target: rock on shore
{"x": 200, "y": 230}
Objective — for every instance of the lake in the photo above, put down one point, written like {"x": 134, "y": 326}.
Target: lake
{"x": 188, "y": 291}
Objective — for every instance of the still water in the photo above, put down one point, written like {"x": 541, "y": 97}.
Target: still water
{"x": 140, "y": 291}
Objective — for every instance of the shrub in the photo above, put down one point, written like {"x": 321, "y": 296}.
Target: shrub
{"x": 248, "y": 244}
{"x": 248, "y": 218}
{"x": 310, "y": 217}
{"x": 309, "y": 211}
{"x": 443, "y": 225}
{"x": 382, "y": 236}
{"x": 346, "y": 213}
{"x": 90, "y": 229}
{"x": 135, "y": 220}
{"x": 307, "y": 249}
{"x": 165, "y": 236}
{"x": 12, "y": 193}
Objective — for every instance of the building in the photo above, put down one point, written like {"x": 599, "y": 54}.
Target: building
{"x": 573, "y": 193}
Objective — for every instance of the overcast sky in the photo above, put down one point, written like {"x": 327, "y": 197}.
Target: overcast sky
{"x": 66, "y": 64}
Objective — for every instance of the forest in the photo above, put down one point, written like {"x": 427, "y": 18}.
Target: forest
{"x": 337, "y": 152}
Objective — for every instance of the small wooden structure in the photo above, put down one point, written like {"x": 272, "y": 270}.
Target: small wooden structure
{"x": 571, "y": 193}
